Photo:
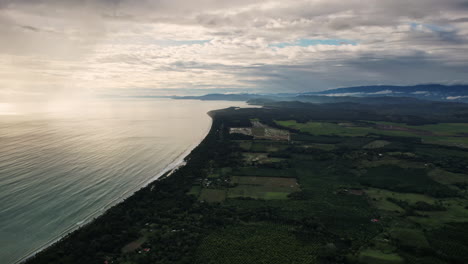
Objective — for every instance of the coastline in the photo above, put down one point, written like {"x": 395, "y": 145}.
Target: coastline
{"x": 177, "y": 163}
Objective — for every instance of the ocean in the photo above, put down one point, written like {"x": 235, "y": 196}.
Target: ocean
{"x": 62, "y": 166}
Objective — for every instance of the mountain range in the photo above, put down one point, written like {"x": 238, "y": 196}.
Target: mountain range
{"x": 379, "y": 94}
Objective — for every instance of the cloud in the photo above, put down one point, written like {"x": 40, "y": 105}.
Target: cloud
{"x": 123, "y": 46}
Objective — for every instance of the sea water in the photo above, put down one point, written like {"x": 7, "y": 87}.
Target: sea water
{"x": 62, "y": 166}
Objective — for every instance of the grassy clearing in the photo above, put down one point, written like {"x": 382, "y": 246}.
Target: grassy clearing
{"x": 376, "y": 144}
{"x": 267, "y": 188}
{"x": 371, "y": 256}
{"x": 388, "y": 160}
{"x": 266, "y": 181}
{"x": 451, "y": 134}
{"x": 265, "y": 172}
{"x": 385, "y": 205}
{"x": 276, "y": 195}
{"x": 442, "y": 129}
{"x": 455, "y": 207}
{"x": 381, "y": 194}
{"x": 456, "y": 213}
{"x": 410, "y": 180}
{"x": 256, "y": 192}
{"x": 251, "y": 158}
{"x": 134, "y": 245}
{"x": 326, "y": 147}
{"x": 309, "y": 138}
{"x": 446, "y": 177}
{"x": 212, "y": 195}
{"x": 213, "y": 175}
{"x": 325, "y": 128}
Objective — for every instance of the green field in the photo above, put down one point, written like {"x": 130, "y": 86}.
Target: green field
{"x": 267, "y": 188}
{"x": 325, "y": 128}
{"x": 412, "y": 180}
{"x": 453, "y": 134}
{"x": 259, "y": 158}
{"x": 376, "y": 144}
{"x": 256, "y": 192}
{"x": 264, "y": 172}
{"x": 449, "y": 178}
{"x": 212, "y": 195}
{"x": 441, "y": 129}
{"x": 378, "y": 257}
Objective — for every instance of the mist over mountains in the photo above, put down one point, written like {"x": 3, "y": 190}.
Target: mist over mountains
{"x": 424, "y": 91}
{"x": 378, "y": 94}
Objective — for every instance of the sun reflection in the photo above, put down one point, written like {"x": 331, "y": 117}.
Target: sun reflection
{"x": 7, "y": 109}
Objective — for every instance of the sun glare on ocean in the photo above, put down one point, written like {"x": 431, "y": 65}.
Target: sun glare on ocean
{"x": 7, "y": 109}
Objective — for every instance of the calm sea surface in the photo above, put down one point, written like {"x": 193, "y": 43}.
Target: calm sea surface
{"x": 61, "y": 167}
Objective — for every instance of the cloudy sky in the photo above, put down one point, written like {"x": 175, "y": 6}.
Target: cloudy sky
{"x": 164, "y": 47}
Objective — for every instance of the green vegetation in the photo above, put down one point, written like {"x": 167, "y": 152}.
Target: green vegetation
{"x": 405, "y": 180}
{"x": 264, "y": 172}
{"x": 451, "y": 134}
{"x": 337, "y": 190}
{"x": 325, "y": 128}
{"x": 377, "y": 257}
{"x": 448, "y": 129}
{"x": 212, "y": 195}
{"x": 256, "y": 243}
{"x": 409, "y": 237}
{"x": 267, "y": 188}
{"x": 376, "y": 144}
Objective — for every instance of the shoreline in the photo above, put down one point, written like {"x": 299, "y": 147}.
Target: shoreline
{"x": 178, "y": 162}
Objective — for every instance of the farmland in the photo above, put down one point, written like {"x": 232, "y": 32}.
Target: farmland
{"x": 371, "y": 183}
{"x": 452, "y": 134}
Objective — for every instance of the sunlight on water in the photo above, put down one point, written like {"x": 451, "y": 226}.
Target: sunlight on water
{"x": 7, "y": 109}
{"x": 63, "y": 163}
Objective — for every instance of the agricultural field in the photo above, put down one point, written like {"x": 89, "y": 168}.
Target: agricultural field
{"x": 259, "y": 158}
{"x": 371, "y": 256}
{"x": 261, "y": 131}
{"x": 451, "y": 134}
{"x": 262, "y": 187}
{"x": 385, "y": 190}
{"x": 441, "y": 129}
{"x": 376, "y": 144}
{"x": 326, "y": 128}
{"x": 212, "y": 195}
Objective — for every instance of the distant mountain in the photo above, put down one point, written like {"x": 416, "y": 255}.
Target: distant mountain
{"x": 381, "y": 94}
{"x": 426, "y": 91}
{"x": 321, "y": 99}
{"x": 221, "y": 97}
{"x": 304, "y": 98}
